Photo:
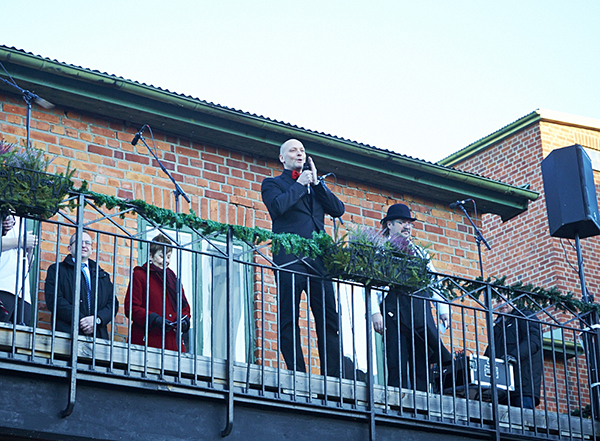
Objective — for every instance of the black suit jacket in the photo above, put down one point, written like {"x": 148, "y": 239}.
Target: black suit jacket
{"x": 294, "y": 210}
{"x": 523, "y": 342}
{"x": 66, "y": 290}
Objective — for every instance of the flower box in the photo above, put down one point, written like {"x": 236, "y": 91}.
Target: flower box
{"x": 374, "y": 266}
{"x": 31, "y": 193}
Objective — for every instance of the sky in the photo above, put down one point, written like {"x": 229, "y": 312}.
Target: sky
{"x": 422, "y": 78}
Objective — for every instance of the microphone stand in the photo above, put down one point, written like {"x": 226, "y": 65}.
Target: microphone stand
{"x": 478, "y": 238}
{"x": 28, "y": 97}
{"x": 178, "y": 190}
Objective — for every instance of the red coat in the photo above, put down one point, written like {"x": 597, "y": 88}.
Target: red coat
{"x": 138, "y": 313}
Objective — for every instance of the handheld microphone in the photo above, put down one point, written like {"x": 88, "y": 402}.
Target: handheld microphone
{"x": 306, "y": 166}
{"x": 138, "y": 135}
{"x": 457, "y": 203}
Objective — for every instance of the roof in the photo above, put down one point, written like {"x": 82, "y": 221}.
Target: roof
{"x": 135, "y": 104}
{"x": 509, "y": 130}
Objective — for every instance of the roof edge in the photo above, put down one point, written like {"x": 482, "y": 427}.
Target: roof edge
{"x": 488, "y": 141}
{"x": 453, "y": 179}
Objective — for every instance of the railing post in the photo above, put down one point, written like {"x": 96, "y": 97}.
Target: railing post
{"x": 229, "y": 362}
{"x": 72, "y": 372}
{"x": 372, "y": 433}
{"x": 492, "y": 345}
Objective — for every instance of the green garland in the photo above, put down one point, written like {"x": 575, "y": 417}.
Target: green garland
{"x": 533, "y": 295}
{"x": 291, "y": 243}
{"x": 318, "y": 246}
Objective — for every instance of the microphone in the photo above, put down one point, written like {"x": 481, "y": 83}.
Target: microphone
{"x": 457, "y": 203}
{"x": 138, "y": 135}
{"x": 306, "y": 166}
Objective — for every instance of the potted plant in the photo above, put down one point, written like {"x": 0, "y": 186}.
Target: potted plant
{"x": 365, "y": 255}
{"x": 26, "y": 189}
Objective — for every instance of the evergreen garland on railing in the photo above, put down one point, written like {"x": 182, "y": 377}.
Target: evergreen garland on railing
{"x": 544, "y": 297}
{"x": 291, "y": 243}
{"x": 294, "y": 244}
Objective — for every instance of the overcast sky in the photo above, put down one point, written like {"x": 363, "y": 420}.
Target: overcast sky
{"x": 423, "y": 78}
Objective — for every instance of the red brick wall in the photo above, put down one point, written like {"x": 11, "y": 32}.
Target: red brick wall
{"x": 224, "y": 186}
{"x": 522, "y": 248}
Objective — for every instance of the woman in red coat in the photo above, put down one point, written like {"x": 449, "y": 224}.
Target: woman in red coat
{"x": 158, "y": 325}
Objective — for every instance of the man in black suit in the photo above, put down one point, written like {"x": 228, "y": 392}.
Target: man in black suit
{"x": 297, "y": 202}
{"x": 517, "y": 339}
{"x": 97, "y": 302}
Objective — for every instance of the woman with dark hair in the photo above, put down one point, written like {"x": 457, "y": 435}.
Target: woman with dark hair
{"x": 159, "y": 314}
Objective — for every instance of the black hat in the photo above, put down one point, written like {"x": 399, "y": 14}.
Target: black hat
{"x": 398, "y": 211}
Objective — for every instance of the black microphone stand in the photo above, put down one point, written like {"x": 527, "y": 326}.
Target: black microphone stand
{"x": 178, "y": 190}
{"x": 478, "y": 238}
{"x": 28, "y": 97}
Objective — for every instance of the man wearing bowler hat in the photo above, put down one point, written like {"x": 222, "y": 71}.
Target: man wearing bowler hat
{"x": 407, "y": 317}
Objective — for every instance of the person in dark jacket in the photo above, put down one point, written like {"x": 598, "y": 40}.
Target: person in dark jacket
{"x": 517, "y": 339}
{"x": 408, "y": 317}
{"x": 152, "y": 284}
{"x": 97, "y": 306}
{"x": 297, "y": 202}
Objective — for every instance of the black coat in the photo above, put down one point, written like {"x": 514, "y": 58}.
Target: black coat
{"x": 66, "y": 290}
{"x": 524, "y": 343}
{"x": 294, "y": 210}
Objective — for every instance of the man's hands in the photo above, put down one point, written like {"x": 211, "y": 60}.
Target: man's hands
{"x": 86, "y": 325}
{"x": 377, "y": 320}
{"x": 445, "y": 319}
{"x": 309, "y": 177}
{"x": 7, "y": 224}
{"x": 29, "y": 239}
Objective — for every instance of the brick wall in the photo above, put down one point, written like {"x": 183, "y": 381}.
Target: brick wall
{"x": 224, "y": 186}
{"x": 522, "y": 248}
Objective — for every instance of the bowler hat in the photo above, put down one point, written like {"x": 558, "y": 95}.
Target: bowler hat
{"x": 398, "y": 211}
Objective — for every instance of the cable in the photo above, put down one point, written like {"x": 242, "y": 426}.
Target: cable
{"x": 587, "y": 291}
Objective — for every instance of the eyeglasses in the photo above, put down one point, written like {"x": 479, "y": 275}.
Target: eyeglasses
{"x": 402, "y": 221}
{"x": 87, "y": 243}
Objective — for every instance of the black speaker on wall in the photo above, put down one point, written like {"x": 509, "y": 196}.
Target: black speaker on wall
{"x": 570, "y": 193}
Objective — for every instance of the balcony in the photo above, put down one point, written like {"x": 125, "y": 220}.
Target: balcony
{"x": 230, "y": 378}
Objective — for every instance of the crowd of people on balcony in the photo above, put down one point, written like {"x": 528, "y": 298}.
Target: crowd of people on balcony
{"x": 297, "y": 202}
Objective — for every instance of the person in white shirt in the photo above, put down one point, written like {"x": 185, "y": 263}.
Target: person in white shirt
{"x": 15, "y": 261}
{"x": 411, "y": 334}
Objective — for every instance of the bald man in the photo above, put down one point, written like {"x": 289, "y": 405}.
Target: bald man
{"x": 297, "y": 202}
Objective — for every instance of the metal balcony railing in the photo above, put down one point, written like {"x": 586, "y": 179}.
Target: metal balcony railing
{"x": 232, "y": 345}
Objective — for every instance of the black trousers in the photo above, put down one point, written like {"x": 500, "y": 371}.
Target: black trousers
{"x": 412, "y": 340}
{"x": 24, "y": 310}
{"x": 321, "y": 298}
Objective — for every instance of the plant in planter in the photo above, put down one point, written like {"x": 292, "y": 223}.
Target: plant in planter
{"x": 365, "y": 255}
{"x": 25, "y": 187}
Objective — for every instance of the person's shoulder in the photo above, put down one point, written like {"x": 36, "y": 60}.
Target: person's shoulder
{"x": 139, "y": 271}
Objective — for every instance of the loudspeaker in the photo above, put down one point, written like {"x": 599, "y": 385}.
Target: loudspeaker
{"x": 570, "y": 193}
